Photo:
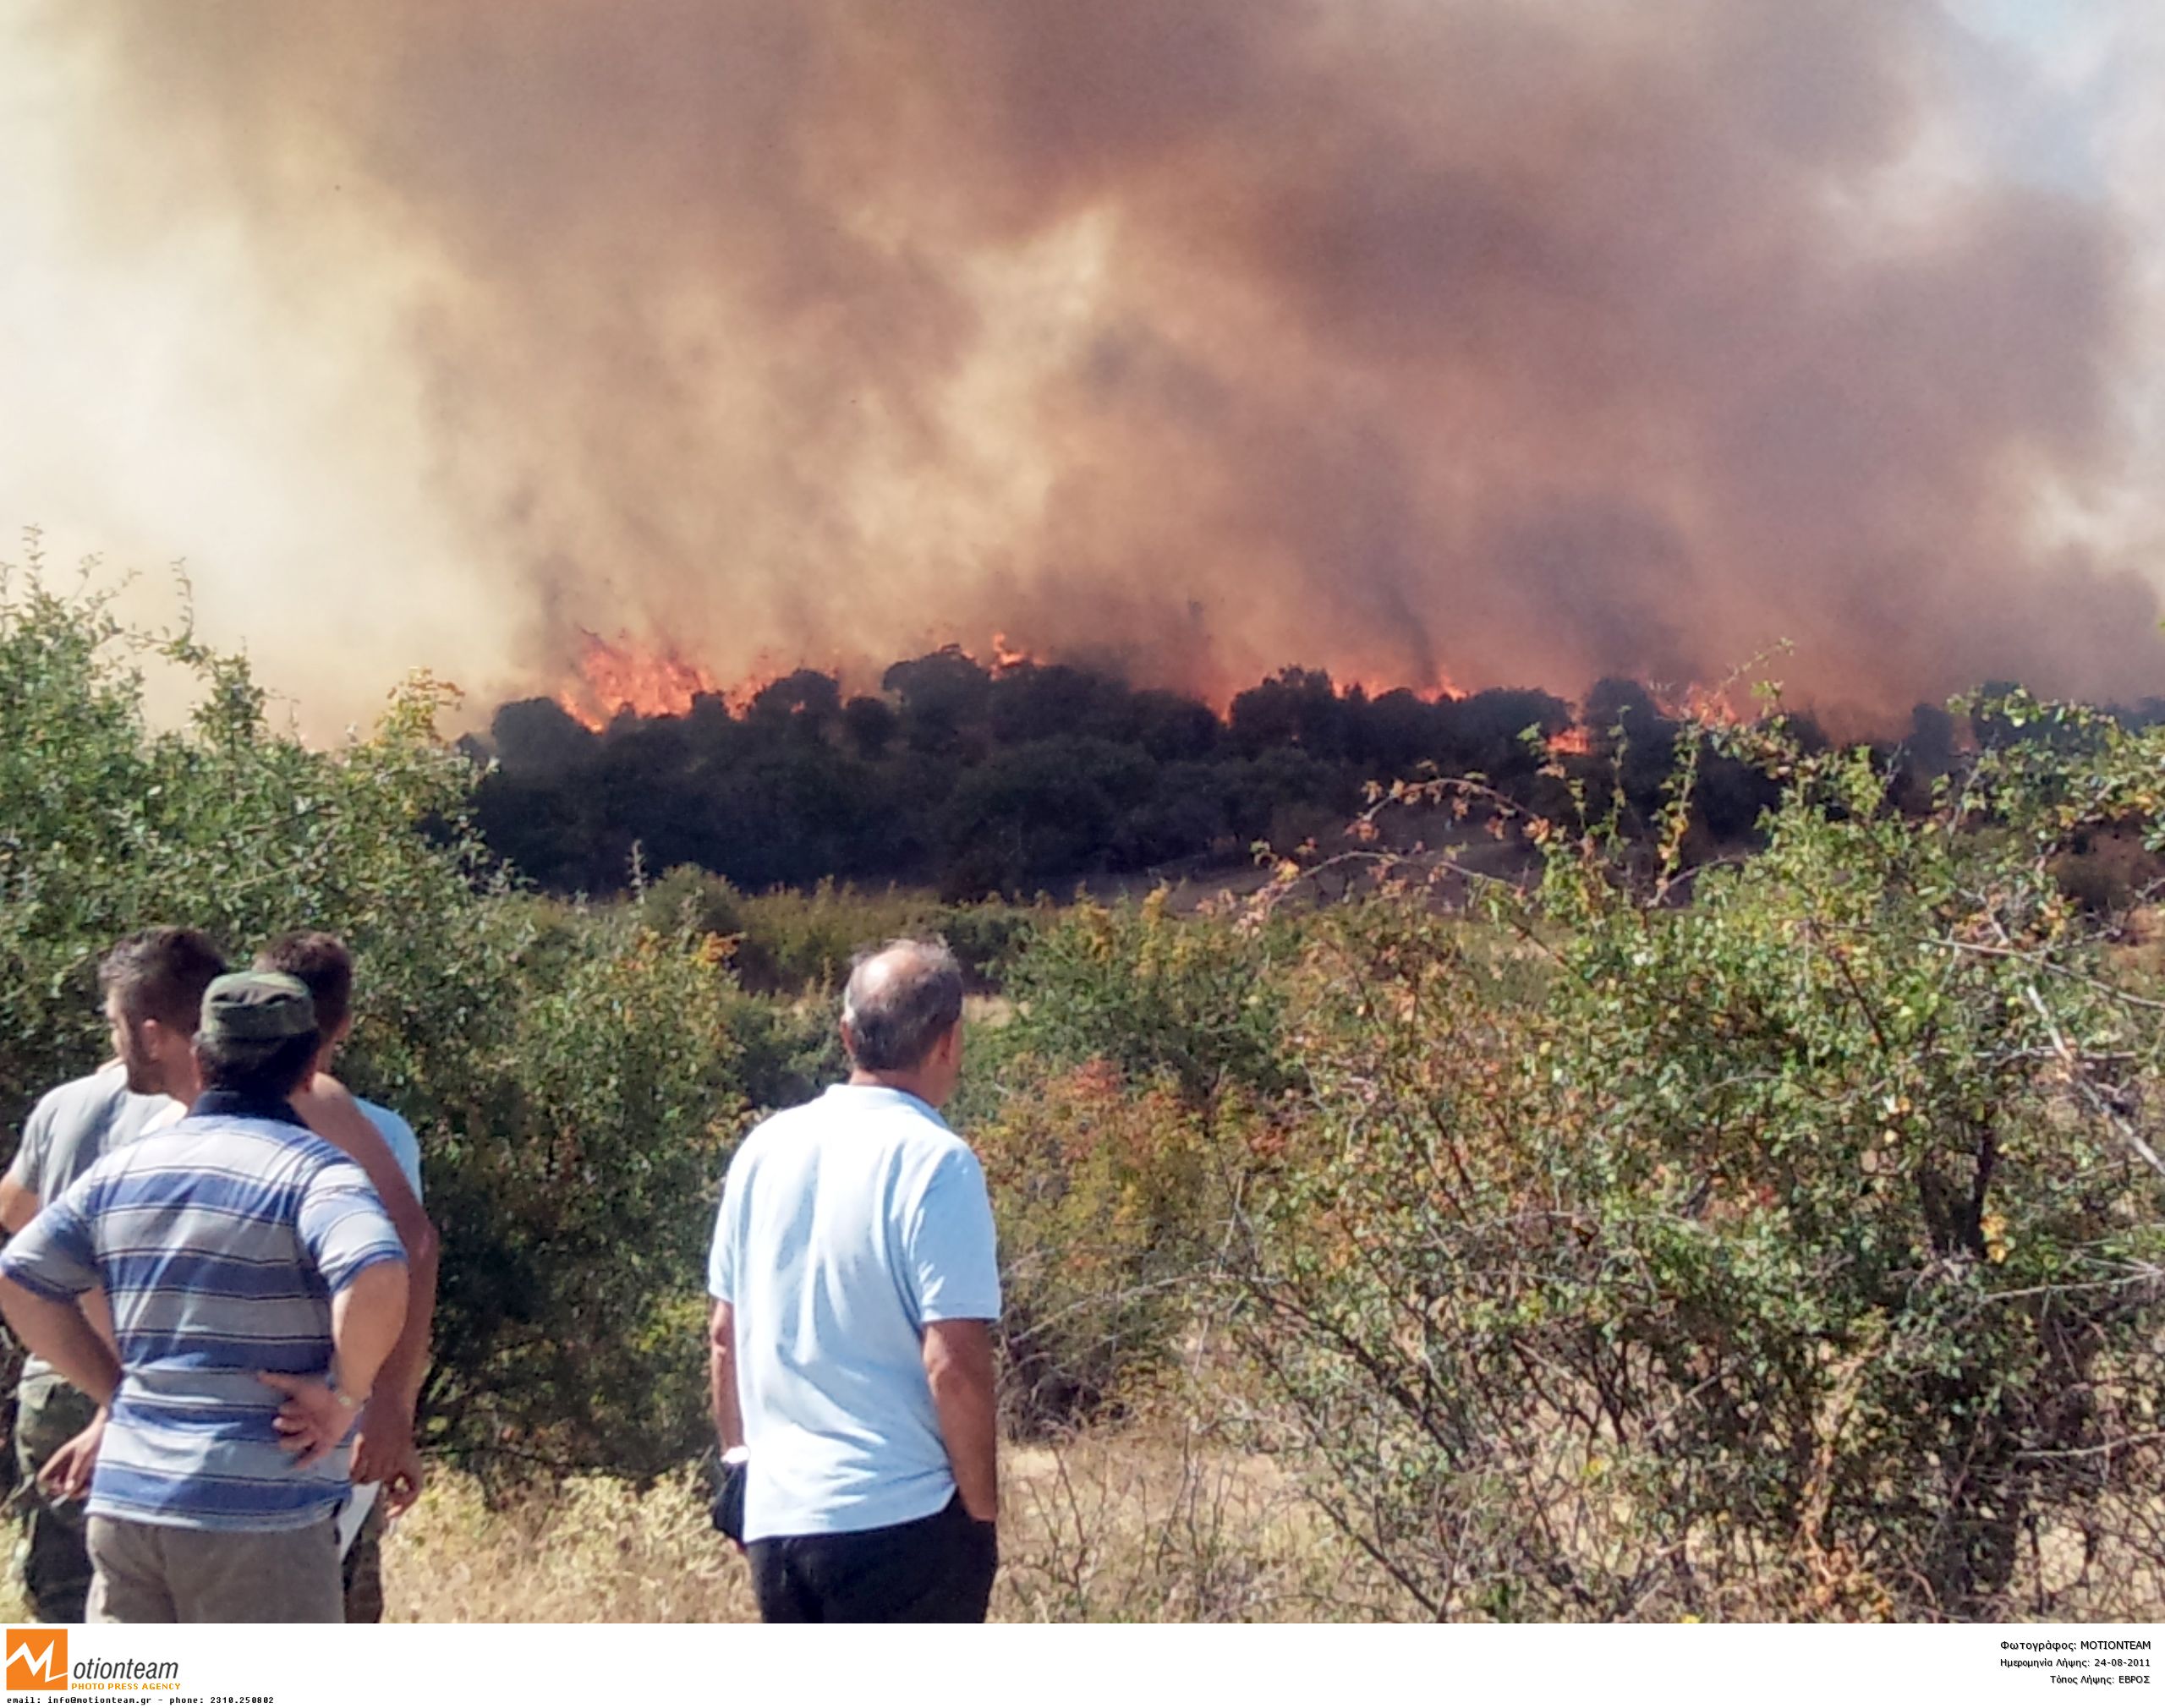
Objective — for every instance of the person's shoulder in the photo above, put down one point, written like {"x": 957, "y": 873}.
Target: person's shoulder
{"x": 893, "y": 1118}
{"x": 398, "y": 1135}
{"x": 773, "y": 1129}
{"x": 932, "y": 1154}
{"x": 86, "y": 1182}
{"x": 924, "y": 1127}
{"x": 315, "y": 1155}
{"x": 260, "y": 1143}
{"x": 166, "y": 1149}
{"x": 397, "y": 1131}
{"x": 94, "y": 1094}
{"x": 935, "y": 1138}
{"x": 71, "y": 1126}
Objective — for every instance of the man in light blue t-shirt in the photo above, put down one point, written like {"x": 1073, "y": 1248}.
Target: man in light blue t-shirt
{"x": 855, "y": 1286}
{"x": 323, "y": 963}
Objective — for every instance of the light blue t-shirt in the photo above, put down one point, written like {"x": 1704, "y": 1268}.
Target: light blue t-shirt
{"x": 848, "y": 1224}
{"x": 399, "y": 1138}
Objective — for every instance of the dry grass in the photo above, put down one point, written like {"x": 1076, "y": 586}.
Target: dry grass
{"x": 594, "y": 1551}
{"x": 1153, "y": 1522}
{"x": 1146, "y": 1522}
{"x": 1139, "y": 1525}
{"x": 1158, "y": 1522}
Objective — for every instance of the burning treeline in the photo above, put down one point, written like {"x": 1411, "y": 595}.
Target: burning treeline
{"x": 1013, "y": 775}
{"x": 1446, "y": 341}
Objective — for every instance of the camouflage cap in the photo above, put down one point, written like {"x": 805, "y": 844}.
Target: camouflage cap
{"x": 264, "y": 1007}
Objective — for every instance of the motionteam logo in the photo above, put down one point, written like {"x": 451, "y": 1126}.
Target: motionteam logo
{"x": 37, "y": 1660}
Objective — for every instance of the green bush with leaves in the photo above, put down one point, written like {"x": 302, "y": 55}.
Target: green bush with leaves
{"x": 581, "y": 1162}
{"x": 1153, "y": 994}
{"x": 1794, "y": 1252}
{"x": 1110, "y": 1201}
{"x": 227, "y": 825}
{"x": 1139, "y": 1060}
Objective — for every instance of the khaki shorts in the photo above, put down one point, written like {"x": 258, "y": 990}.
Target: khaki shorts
{"x": 162, "y": 1574}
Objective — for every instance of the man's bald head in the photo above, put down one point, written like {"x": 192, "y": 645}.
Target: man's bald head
{"x": 901, "y": 1001}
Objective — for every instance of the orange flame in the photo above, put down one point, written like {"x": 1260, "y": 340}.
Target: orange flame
{"x": 614, "y": 677}
{"x": 1695, "y": 704}
{"x": 1713, "y": 706}
{"x": 1006, "y": 656}
{"x": 1438, "y": 687}
{"x": 738, "y": 696}
{"x": 1577, "y": 740}
{"x": 622, "y": 678}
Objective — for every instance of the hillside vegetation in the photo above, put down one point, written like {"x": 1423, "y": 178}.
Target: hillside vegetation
{"x": 1778, "y": 1238}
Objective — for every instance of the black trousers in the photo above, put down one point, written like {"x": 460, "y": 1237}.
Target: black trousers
{"x": 935, "y": 1571}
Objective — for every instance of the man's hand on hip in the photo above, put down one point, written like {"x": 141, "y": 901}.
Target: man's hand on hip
{"x": 314, "y": 1420}
{"x": 385, "y": 1453}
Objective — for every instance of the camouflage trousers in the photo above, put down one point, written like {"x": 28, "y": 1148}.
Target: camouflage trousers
{"x": 53, "y": 1560}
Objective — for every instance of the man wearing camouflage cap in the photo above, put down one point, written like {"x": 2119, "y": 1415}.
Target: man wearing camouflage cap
{"x": 244, "y": 1260}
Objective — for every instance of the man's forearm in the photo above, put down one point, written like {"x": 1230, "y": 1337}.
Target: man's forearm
{"x": 721, "y": 1376}
{"x": 968, "y": 1427}
{"x": 58, "y": 1332}
{"x": 407, "y": 1361}
{"x": 365, "y": 1319}
{"x": 959, "y": 1366}
{"x": 18, "y": 1203}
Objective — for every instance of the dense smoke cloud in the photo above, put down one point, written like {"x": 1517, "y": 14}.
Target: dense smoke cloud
{"x": 1420, "y": 341}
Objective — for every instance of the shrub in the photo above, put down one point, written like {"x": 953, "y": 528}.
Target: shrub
{"x": 576, "y": 1200}
{"x": 1150, "y": 993}
{"x": 227, "y": 825}
{"x": 1107, "y": 1197}
{"x": 1794, "y": 1253}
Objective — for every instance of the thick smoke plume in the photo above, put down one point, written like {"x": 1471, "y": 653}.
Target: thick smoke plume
{"x": 1425, "y": 341}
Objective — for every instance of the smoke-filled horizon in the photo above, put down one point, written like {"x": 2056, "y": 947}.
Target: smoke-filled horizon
{"x": 1426, "y": 343}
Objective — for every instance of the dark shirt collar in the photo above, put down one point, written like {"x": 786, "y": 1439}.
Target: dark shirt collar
{"x": 241, "y": 1106}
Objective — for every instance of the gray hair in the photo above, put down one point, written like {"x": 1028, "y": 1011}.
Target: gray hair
{"x": 900, "y": 1000}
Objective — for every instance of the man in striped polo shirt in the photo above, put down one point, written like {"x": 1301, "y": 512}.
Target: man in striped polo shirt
{"x": 244, "y": 1260}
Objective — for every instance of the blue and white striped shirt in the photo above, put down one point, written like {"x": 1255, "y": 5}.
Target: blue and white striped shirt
{"x": 220, "y": 1242}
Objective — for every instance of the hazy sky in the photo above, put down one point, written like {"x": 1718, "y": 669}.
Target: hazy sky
{"x": 1425, "y": 340}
